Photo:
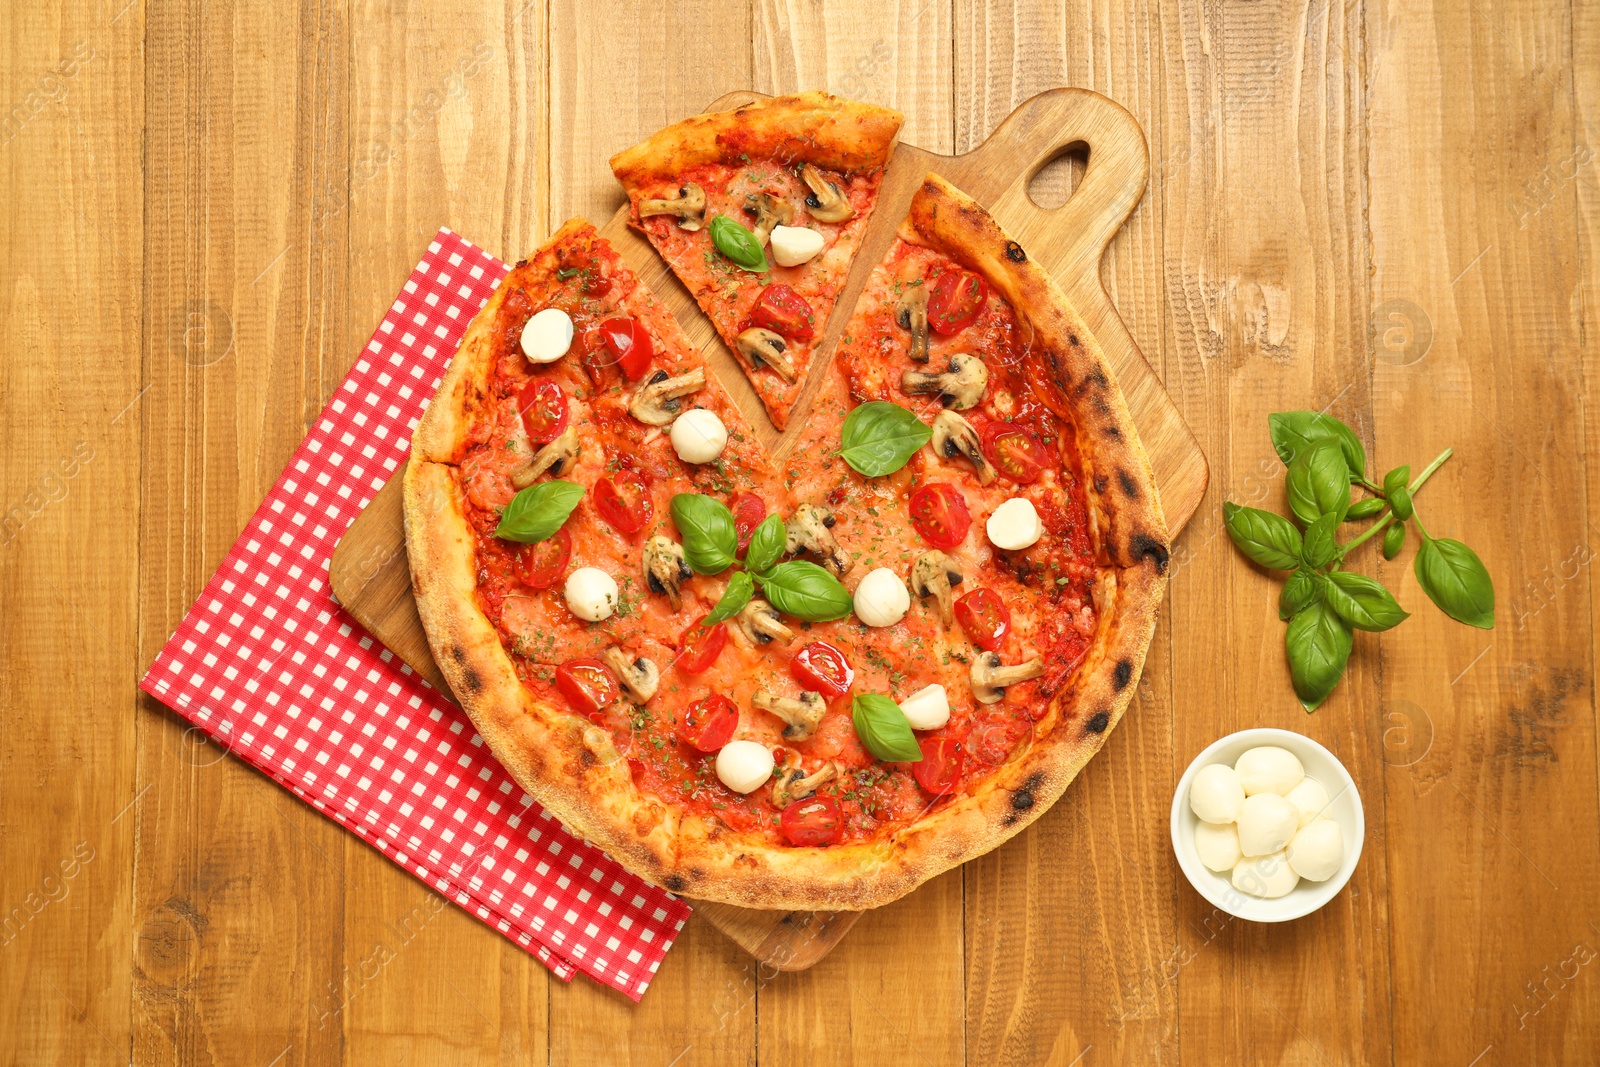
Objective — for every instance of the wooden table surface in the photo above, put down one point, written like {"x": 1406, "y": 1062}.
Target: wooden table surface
{"x": 1385, "y": 210}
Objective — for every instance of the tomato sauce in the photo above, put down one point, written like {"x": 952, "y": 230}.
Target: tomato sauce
{"x": 1048, "y": 588}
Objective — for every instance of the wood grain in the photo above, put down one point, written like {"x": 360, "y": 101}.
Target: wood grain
{"x": 1330, "y": 184}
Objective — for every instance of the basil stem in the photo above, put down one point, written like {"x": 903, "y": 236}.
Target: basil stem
{"x": 1388, "y": 516}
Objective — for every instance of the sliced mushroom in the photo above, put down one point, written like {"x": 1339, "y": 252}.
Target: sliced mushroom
{"x": 961, "y": 387}
{"x": 911, "y": 312}
{"x": 637, "y": 675}
{"x": 689, "y": 205}
{"x": 954, "y": 436}
{"x": 933, "y": 575}
{"x": 769, "y": 211}
{"x": 827, "y": 202}
{"x": 657, "y": 402}
{"x": 811, "y": 530}
{"x": 765, "y": 348}
{"x": 990, "y": 677}
{"x": 801, "y": 714}
{"x": 791, "y": 783}
{"x": 557, "y": 457}
{"x": 665, "y": 568}
{"x": 761, "y": 624}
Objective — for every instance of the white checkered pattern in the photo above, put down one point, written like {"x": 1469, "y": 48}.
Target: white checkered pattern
{"x": 269, "y": 665}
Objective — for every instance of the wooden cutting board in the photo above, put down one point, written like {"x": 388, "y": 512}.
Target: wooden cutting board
{"x": 369, "y": 573}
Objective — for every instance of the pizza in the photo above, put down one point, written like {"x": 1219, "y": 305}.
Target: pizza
{"x": 759, "y": 212}
{"x": 809, "y": 684}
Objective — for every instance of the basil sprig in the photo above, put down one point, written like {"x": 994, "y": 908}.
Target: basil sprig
{"x": 741, "y": 587}
{"x": 767, "y": 542}
{"x": 879, "y": 437}
{"x": 797, "y": 587}
{"x": 538, "y": 511}
{"x": 738, "y": 244}
{"x": 1323, "y": 603}
{"x": 710, "y": 538}
{"x": 806, "y": 591}
{"x": 883, "y": 729}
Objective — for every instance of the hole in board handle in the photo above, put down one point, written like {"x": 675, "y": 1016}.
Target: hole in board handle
{"x": 1053, "y": 184}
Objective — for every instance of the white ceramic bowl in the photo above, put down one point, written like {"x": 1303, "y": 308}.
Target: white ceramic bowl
{"x": 1344, "y": 807}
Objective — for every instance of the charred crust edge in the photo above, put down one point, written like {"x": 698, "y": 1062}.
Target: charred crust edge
{"x": 1144, "y": 546}
{"x": 1098, "y": 723}
{"x": 1122, "y": 674}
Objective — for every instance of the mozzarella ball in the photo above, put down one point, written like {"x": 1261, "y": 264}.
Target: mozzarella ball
{"x": 794, "y": 245}
{"x": 1269, "y": 769}
{"x": 1317, "y": 851}
{"x": 698, "y": 436}
{"x": 1310, "y": 798}
{"x": 1217, "y": 846}
{"x": 547, "y": 336}
{"x": 1215, "y": 795}
{"x": 744, "y": 766}
{"x": 1267, "y": 822}
{"x": 881, "y": 599}
{"x": 928, "y": 708}
{"x": 591, "y": 594}
{"x": 1014, "y": 525}
{"x": 1265, "y": 876}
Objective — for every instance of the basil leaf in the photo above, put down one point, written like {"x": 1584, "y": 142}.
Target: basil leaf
{"x": 1318, "y": 643}
{"x": 1455, "y": 579}
{"x": 1294, "y": 431}
{"x": 806, "y": 591}
{"x": 1364, "y": 509}
{"x": 538, "y": 511}
{"x": 883, "y": 729}
{"x": 878, "y": 437}
{"x": 1393, "y": 538}
{"x": 1303, "y": 589}
{"x": 1320, "y": 546}
{"x": 1400, "y": 501}
{"x": 738, "y": 244}
{"x": 1319, "y": 482}
{"x": 1401, "y": 475}
{"x": 741, "y": 587}
{"x": 766, "y": 544}
{"x": 709, "y": 536}
{"x": 1268, "y": 539}
{"x": 1363, "y": 602}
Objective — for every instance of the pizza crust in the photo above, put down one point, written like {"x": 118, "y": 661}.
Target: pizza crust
{"x": 815, "y": 127}
{"x": 573, "y": 769}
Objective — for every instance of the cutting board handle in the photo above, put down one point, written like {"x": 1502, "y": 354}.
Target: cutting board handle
{"x": 1068, "y": 240}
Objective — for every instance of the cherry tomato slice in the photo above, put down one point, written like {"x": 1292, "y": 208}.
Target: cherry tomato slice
{"x": 940, "y": 767}
{"x": 708, "y": 723}
{"x": 984, "y": 618}
{"x": 957, "y": 298}
{"x": 623, "y": 500}
{"x": 1015, "y": 453}
{"x": 544, "y": 563}
{"x": 587, "y": 684}
{"x": 822, "y": 668}
{"x": 812, "y": 822}
{"x": 629, "y": 344}
{"x": 748, "y": 512}
{"x": 700, "y": 646}
{"x": 784, "y": 310}
{"x": 543, "y": 404}
{"x": 940, "y": 515}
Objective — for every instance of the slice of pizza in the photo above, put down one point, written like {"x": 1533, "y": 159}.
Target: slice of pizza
{"x": 759, "y": 212}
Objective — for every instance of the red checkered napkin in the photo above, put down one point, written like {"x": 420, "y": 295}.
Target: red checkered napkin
{"x": 268, "y": 664}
